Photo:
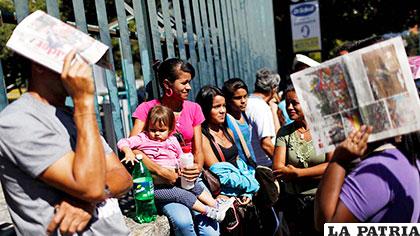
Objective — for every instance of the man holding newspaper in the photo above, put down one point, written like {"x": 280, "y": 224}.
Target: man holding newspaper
{"x": 57, "y": 172}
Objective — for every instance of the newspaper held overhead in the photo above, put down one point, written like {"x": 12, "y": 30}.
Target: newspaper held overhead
{"x": 47, "y": 40}
{"x": 372, "y": 86}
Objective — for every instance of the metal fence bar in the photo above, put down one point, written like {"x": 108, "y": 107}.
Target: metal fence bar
{"x": 145, "y": 45}
{"x": 110, "y": 74}
{"x": 168, "y": 29}
{"x": 238, "y": 31}
{"x": 52, "y": 8}
{"x": 241, "y": 31}
{"x": 201, "y": 53}
{"x": 215, "y": 45}
{"x": 260, "y": 48}
{"x": 195, "y": 83}
{"x": 127, "y": 59}
{"x": 232, "y": 39}
{"x": 154, "y": 28}
{"x": 179, "y": 29}
{"x": 80, "y": 18}
{"x": 109, "y": 126}
{"x": 3, "y": 91}
{"x": 22, "y": 9}
{"x": 271, "y": 58}
{"x": 220, "y": 39}
{"x": 227, "y": 39}
{"x": 245, "y": 43}
{"x": 250, "y": 12}
{"x": 79, "y": 15}
{"x": 208, "y": 46}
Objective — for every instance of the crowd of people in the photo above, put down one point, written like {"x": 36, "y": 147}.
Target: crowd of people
{"x": 59, "y": 175}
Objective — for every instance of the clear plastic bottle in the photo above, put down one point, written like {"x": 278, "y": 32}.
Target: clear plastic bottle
{"x": 143, "y": 192}
{"x": 186, "y": 161}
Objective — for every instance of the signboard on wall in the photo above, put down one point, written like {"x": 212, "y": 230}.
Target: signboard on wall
{"x": 306, "y": 33}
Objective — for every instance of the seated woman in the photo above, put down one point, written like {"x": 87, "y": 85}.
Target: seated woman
{"x": 383, "y": 188}
{"x": 174, "y": 77}
{"x": 236, "y": 95}
{"x": 221, "y": 153}
{"x": 296, "y": 163}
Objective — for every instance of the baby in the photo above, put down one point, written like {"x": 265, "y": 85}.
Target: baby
{"x": 164, "y": 149}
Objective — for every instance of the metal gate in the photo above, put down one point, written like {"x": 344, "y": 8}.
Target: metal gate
{"x": 220, "y": 38}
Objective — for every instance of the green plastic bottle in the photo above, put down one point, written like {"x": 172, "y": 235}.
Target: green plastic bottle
{"x": 143, "y": 192}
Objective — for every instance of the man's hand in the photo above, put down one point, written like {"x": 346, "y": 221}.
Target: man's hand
{"x": 77, "y": 77}
{"x": 70, "y": 217}
{"x": 191, "y": 173}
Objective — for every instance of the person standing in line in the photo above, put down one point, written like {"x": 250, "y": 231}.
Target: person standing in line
{"x": 57, "y": 172}
{"x": 261, "y": 117}
{"x": 236, "y": 95}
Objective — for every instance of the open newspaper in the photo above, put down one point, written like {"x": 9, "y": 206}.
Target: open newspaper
{"x": 372, "y": 86}
{"x": 47, "y": 40}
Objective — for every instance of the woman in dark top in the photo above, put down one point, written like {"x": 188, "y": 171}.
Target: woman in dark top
{"x": 220, "y": 151}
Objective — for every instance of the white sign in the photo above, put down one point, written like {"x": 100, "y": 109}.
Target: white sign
{"x": 304, "y": 18}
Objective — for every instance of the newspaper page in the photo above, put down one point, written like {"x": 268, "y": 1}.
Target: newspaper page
{"x": 47, "y": 40}
{"x": 372, "y": 86}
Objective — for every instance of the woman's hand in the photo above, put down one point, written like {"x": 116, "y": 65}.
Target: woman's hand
{"x": 191, "y": 173}
{"x": 286, "y": 173}
{"x": 353, "y": 146}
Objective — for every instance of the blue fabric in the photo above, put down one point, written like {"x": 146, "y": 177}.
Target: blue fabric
{"x": 282, "y": 107}
{"x": 236, "y": 181}
{"x": 246, "y": 130}
{"x": 184, "y": 224}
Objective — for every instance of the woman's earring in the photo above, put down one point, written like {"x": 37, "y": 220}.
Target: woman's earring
{"x": 168, "y": 94}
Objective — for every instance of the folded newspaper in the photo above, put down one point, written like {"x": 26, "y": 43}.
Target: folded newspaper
{"x": 47, "y": 40}
{"x": 372, "y": 86}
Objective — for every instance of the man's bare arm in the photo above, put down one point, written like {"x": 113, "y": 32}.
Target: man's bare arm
{"x": 80, "y": 173}
{"x": 118, "y": 179}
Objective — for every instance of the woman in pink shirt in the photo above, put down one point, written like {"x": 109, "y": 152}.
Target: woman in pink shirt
{"x": 174, "y": 77}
